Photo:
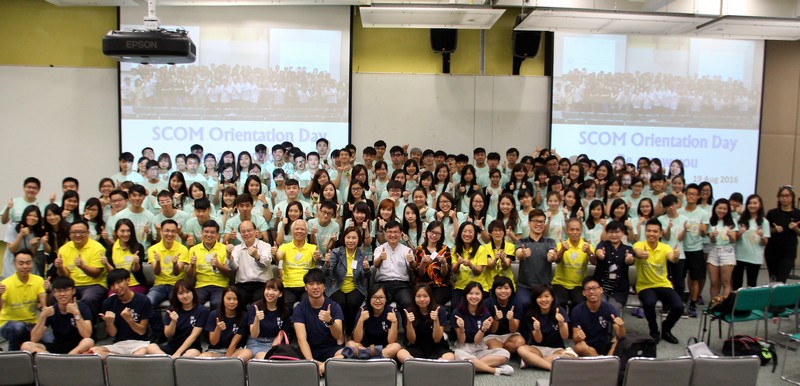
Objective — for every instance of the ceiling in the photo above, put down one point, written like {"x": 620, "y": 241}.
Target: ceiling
{"x": 739, "y": 19}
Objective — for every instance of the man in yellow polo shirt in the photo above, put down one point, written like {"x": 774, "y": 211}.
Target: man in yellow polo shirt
{"x": 20, "y": 295}
{"x": 572, "y": 258}
{"x": 653, "y": 283}
{"x": 79, "y": 260}
{"x": 207, "y": 262}
{"x": 295, "y": 260}
{"x": 164, "y": 257}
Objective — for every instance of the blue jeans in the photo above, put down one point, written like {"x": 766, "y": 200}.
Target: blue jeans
{"x": 212, "y": 294}
{"x": 17, "y": 333}
{"x": 92, "y": 295}
{"x": 157, "y": 295}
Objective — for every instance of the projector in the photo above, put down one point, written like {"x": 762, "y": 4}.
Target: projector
{"x": 157, "y": 46}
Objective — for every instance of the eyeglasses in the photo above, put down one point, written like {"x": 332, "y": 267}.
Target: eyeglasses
{"x": 591, "y": 289}
{"x": 78, "y": 233}
{"x": 537, "y": 221}
{"x": 379, "y": 298}
{"x": 434, "y": 233}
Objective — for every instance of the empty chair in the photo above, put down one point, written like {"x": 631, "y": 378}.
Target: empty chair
{"x": 429, "y": 372}
{"x": 17, "y": 368}
{"x": 133, "y": 370}
{"x": 209, "y": 372}
{"x": 728, "y": 371}
{"x": 68, "y": 370}
{"x": 595, "y": 371}
{"x": 783, "y": 303}
{"x": 658, "y": 372}
{"x": 349, "y": 372}
{"x": 750, "y": 302}
{"x": 793, "y": 339}
{"x": 297, "y": 373}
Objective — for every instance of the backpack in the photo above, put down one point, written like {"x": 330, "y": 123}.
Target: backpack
{"x": 633, "y": 345}
{"x": 282, "y": 350}
{"x": 747, "y": 345}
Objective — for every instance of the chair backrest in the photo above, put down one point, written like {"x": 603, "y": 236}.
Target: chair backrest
{"x": 265, "y": 372}
{"x": 17, "y": 368}
{"x": 429, "y": 372}
{"x": 595, "y": 371}
{"x": 728, "y": 371}
{"x": 138, "y": 370}
{"x": 749, "y": 299}
{"x": 68, "y": 370}
{"x": 348, "y": 372}
{"x": 658, "y": 372}
{"x": 209, "y": 371}
{"x": 785, "y": 295}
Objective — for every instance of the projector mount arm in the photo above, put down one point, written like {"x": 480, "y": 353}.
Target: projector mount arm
{"x": 151, "y": 20}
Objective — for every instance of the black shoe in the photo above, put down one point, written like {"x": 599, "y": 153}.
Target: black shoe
{"x": 655, "y": 336}
{"x": 669, "y": 338}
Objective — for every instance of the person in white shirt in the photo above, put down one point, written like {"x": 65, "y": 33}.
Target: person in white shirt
{"x": 393, "y": 262}
{"x": 252, "y": 261}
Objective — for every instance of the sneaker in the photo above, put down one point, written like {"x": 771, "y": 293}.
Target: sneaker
{"x": 664, "y": 312}
{"x": 685, "y": 314}
{"x": 503, "y": 370}
{"x": 569, "y": 353}
{"x": 522, "y": 364}
{"x": 692, "y": 311}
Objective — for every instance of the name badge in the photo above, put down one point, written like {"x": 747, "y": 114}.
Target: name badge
{"x": 127, "y": 259}
{"x": 354, "y": 265}
{"x": 434, "y": 255}
{"x": 298, "y": 256}
{"x": 209, "y": 257}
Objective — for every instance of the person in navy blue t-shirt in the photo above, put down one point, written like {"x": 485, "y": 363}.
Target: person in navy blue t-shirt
{"x": 377, "y": 325}
{"x": 183, "y": 324}
{"x": 69, "y": 319}
{"x": 471, "y": 321}
{"x": 127, "y": 316}
{"x": 318, "y": 322}
{"x": 266, "y": 318}
{"x": 596, "y": 325}
{"x": 549, "y": 326}
{"x": 227, "y": 327}
{"x": 506, "y": 324}
{"x": 425, "y": 324}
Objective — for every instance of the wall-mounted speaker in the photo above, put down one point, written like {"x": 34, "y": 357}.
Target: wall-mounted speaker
{"x": 444, "y": 40}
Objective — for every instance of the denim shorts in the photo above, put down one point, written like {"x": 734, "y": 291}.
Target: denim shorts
{"x": 259, "y": 344}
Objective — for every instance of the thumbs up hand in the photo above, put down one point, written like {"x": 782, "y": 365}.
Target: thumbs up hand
{"x": 459, "y": 322}
{"x": 510, "y": 313}
{"x": 497, "y": 313}
{"x": 259, "y": 313}
{"x": 559, "y": 317}
{"x": 409, "y": 317}
{"x": 617, "y": 320}
{"x": 325, "y": 315}
{"x": 536, "y": 324}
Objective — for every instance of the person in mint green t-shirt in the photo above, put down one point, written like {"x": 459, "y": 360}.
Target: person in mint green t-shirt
{"x": 754, "y": 234}
{"x": 674, "y": 225}
{"x": 723, "y": 233}
{"x": 696, "y": 226}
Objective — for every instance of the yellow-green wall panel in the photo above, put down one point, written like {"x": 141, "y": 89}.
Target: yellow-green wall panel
{"x": 407, "y": 50}
{"x": 37, "y": 33}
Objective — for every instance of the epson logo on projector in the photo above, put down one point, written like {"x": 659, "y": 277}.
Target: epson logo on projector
{"x": 141, "y": 44}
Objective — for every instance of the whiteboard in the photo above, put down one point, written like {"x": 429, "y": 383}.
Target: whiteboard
{"x": 58, "y": 122}
{"x": 454, "y": 113}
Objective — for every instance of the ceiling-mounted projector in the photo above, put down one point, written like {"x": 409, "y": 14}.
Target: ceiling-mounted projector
{"x": 153, "y": 45}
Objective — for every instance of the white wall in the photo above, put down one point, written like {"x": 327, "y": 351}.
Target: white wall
{"x": 455, "y": 113}
{"x": 57, "y": 122}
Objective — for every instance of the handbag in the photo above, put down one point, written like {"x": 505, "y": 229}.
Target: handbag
{"x": 282, "y": 350}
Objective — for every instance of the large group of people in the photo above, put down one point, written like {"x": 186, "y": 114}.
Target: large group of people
{"x": 235, "y": 89}
{"x": 354, "y": 256}
{"x": 656, "y": 96}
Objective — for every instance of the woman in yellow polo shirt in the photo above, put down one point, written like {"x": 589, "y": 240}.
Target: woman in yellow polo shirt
{"x": 127, "y": 253}
{"x": 499, "y": 254}
{"x": 467, "y": 263}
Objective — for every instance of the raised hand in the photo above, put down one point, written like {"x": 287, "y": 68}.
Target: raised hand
{"x": 325, "y": 315}
{"x": 47, "y": 312}
{"x": 364, "y": 314}
{"x": 536, "y": 324}
{"x": 617, "y": 320}
{"x": 259, "y": 313}
{"x": 585, "y": 248}
{"x": 497, "y": 313}
{"x": 551, "y": 255}
{"x": 580, "y": 334}
{"x": 459, "y": 322}
{"x": 410, "y": 317}
{"x": 559, "y": 317}
{"x": 173, "y": 316}
{"x": 435, "y": 314}
{"x": 72, "y": 307}
{"x": 391, "y": 316}
{"x": 487, "y": 324}
{"x": 221, "y": 325}
{"x": 510, "y": 313}
{"x": 109, "y": 316}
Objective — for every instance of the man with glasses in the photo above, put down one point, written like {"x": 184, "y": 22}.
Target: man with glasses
{"x": 323, "y": 229}
{"x": 207, "y": 263}
{"x": 596, "y": 325}
{"x": 69, "y": 319}
{"x": 252, "y": 262}
{"x": 535, "y": 254}
{"x": 79, "y": 259}
{"x": 398, "y": 157}
{"x": 393, "y": 261}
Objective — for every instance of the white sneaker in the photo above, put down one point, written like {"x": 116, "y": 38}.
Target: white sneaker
{"x": 503, "y": 370}
{"x": 569, "y": 353}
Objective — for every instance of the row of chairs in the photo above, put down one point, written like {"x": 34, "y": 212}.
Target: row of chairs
{"x": 758, "y": 304}
{"x": 21, "y": 368}
{"x": 683, "y": 371}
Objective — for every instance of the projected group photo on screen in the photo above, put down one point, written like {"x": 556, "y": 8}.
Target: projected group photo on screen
{"x": 671, "y": 97}
{"x": 258, "y": 78}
